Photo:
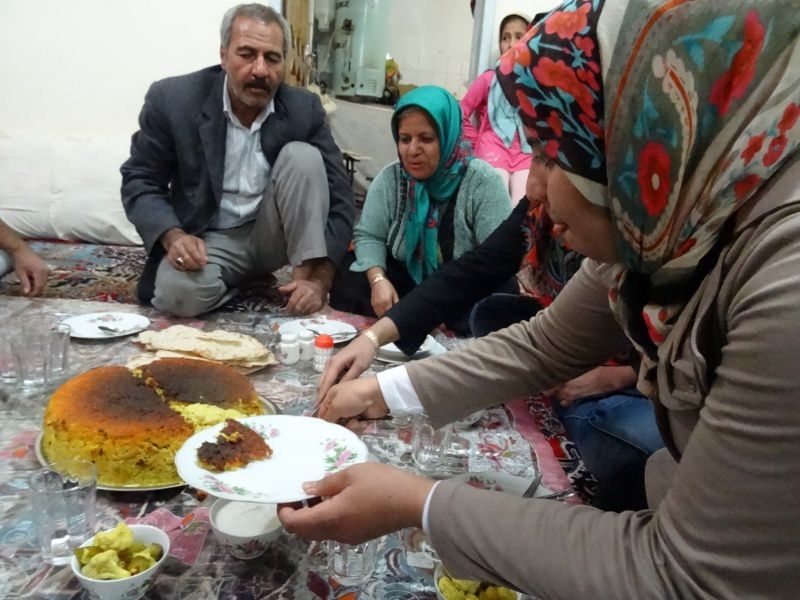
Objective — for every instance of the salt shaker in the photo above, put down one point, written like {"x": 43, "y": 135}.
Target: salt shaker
{"x": 289, "y": 349}
{"x": 323, "y": 349}
{"x": 306, "y": 345}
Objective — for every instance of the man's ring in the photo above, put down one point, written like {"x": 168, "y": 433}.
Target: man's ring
{"x": 179, "y": 261}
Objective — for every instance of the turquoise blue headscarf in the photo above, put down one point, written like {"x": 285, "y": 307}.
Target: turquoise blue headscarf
{"x": 504, "y": 118}
{"x": 428, "y": 198}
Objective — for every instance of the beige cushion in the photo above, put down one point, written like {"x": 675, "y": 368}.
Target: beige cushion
{"x": 25, "y": 195}
{"x": 65, "y": 188}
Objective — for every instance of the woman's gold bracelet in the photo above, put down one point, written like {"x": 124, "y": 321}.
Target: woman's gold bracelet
{"x": 370, "y": 335}
{"x": 375, "y": 279}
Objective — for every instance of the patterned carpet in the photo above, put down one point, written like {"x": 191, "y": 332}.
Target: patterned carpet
{"x": 110, "y": 273}
{"x": 564, "y": 449}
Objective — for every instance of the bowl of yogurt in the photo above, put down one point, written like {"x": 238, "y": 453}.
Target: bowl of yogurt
{"x": 245, "y": 529}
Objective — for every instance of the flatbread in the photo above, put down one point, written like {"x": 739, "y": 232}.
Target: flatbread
{"x": 145, "y": 358}
{"x": 221, "y": 346}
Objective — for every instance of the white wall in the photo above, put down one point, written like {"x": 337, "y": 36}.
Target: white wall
{"x": 83, "y": 66}
{"x": 430, "y": 40}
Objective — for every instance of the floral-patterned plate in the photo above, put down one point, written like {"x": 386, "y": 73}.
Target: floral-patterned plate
{"x": 303, "y": 449}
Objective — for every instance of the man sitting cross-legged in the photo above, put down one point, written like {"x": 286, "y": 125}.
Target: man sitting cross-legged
{"x": 234, "y": 174}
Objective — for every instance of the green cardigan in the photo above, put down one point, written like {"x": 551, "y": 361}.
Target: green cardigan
{"x": 482, "y": 204}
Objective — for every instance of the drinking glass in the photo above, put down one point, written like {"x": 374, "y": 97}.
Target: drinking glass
{"x": 8, "y": 373}
{"x": 456, "y": 453}
{"x": 352, "y": 564}
{"x": 32, "y": 359}
{"x": 63, "y": 502}
{"x": 427, "y": 444}
{"x": 59, "y": 349}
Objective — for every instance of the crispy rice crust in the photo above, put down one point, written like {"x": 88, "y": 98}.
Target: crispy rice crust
{"x": 191, "y": 381}
{"x": 119, "y": 421}
{"x": 236, "y": 446}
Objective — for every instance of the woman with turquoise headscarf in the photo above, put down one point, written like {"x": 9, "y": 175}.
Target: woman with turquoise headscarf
{"x": 432, "y": 205}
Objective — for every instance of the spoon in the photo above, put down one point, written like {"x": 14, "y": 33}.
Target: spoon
{"x": 112, "y": 329}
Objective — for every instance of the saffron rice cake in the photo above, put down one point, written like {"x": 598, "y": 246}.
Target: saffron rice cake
{"x": 130, "y": 424}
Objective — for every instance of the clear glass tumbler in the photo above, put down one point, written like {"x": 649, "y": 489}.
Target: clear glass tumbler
{"x": 427, "y": 445}
{"x": 352, "y": 564}
{"x": 8, "y": 372}
{"x": 63, "y": 502}
{"x": 32, "y": 358}
{"x": 59, "y": 350}
{"x": 457, "y": 450}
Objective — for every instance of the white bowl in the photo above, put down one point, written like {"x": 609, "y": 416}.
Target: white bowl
{"x": 440, "y": 572}
{"x": 244, "y": 546}
{"x": 131, "y": 587}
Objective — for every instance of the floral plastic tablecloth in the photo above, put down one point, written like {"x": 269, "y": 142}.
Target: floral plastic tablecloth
{"x": 198, "y": 569}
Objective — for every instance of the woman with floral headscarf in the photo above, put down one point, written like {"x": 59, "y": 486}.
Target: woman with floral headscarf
{"x": 676, "y": 170}
{"x": 432, "y": 205}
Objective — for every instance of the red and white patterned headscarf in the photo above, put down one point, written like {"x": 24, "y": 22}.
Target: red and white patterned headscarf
{"x": 671, "y": 114}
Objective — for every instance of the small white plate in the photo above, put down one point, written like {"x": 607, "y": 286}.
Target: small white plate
{"x": 303, "y": 449}
{"x": 86, "y": 326}
{"x": 339, "y": 330}
{"x": 391, "y": 354}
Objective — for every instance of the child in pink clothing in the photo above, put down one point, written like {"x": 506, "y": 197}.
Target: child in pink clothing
{"x": 497, "y": 139}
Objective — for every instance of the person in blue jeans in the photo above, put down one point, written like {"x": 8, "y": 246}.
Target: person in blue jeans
{"x": 613, "y": 427}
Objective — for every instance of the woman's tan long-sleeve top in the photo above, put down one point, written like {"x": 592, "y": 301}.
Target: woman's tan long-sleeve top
{"x": 729, "y": 377}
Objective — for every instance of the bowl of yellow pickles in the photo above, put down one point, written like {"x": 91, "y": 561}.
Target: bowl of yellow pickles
{"x": 450, "y": 588}
{"x": 120, "y": 563}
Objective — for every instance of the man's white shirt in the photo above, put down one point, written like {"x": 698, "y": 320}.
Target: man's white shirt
{"x": 399, "y": 395}
{"x": 246, "y": 174}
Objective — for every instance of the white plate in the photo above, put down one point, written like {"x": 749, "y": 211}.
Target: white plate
{"x": 339, "y": 330}
{"x": 269, "y": 406}
{"x": 392, "y": 352}
{"x": 86, "y": 326}
{"x": 303, "y": 449}
{"x": 393, "y": 355}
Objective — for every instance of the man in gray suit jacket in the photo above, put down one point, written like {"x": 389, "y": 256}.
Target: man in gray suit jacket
{"x": 234, "y": 174}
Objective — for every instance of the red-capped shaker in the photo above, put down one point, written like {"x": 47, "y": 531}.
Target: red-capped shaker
{"x": 323, "y": 350}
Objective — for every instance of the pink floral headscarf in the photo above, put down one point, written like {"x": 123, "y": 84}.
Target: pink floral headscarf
{"x": 670, "y": 113}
